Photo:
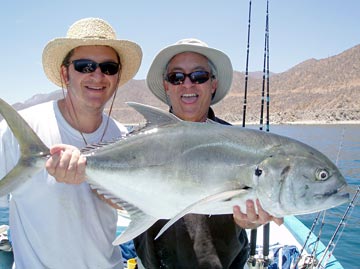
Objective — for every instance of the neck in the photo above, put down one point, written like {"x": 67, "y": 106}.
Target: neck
{"x": 82, "y": 119}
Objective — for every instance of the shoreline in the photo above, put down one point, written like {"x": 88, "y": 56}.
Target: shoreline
{"x": 309, "y": 122}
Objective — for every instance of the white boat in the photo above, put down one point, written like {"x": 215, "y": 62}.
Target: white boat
{"x": 6, "y": 255}
{"x": 289, "y": 236}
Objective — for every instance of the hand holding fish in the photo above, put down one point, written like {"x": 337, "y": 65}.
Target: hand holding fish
{"x": 251, "y": 219}
{"x": 66, "y": 164}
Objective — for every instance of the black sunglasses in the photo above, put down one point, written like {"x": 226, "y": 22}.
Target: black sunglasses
{"x": 198, "y": 77}
{"x": 89, "y": 66}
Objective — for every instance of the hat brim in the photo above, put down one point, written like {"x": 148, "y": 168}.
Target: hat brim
{"x": 221, "y": 61}
{"x": 55, "y": 51}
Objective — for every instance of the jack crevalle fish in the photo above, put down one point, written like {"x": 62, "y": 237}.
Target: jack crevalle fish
{"x": 170, "y": 167}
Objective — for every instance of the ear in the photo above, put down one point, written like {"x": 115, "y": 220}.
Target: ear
{"x": 119, "y": 77}
{"x": 214, "y": 85}
{"x": 166, "y": 85}
{"x": 64, "y": 74}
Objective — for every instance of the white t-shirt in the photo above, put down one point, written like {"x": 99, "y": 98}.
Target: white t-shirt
{"x": 58, "y": 225}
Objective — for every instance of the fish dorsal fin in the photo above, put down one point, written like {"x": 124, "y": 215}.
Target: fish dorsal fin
{"x": 216, "y": 197}
{"x": 154, "y": 117}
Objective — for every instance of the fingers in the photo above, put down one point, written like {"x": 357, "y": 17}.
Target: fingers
{"x": 253, "y": 218}
{"x": 66, "y": 164}
{"x": 242, "y": 219}
{"x": 251, "y": 212}
{"x": 278, "y": 221}
{"x": 263, "y": 216}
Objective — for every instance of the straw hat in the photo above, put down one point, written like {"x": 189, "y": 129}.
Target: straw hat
{"x": 221, "y": 61}
{"x": 85, "y": 32}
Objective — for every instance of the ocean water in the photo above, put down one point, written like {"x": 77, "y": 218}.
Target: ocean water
{"x": 341, "y": 143}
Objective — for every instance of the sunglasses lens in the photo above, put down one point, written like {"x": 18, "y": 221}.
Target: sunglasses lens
{"x": 199, "y": 77}
{"x": 88, "y": 66}
{"x": 176, "y": 78}
{"x": 109, "y": 68}
{"x": 84, "y": 66}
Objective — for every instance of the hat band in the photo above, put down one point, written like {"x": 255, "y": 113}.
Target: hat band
{"x": 95, "y": 37}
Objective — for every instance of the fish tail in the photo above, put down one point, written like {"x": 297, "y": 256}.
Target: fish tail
{"x": 31, "y": 148}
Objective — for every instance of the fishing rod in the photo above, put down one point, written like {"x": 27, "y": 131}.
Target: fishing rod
{"x": 265, "y": 261}
{"x": 316, "y": 243}
{"x": 340, "y": 146}
{"x": 253, "y": 233}
{"x": 265, "y": 73}
{"x": 266, "y": 228}
{"x": 331, "y": 240}
{"x": 340, "y": 228}
{"x": 307, "y": 238}
{"x": 267, "y": 70}
{"x": 247, "y": 66}
{"x": 315, "y": 222}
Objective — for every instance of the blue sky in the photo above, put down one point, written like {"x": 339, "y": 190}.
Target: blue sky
{"x": 299, "y": 30}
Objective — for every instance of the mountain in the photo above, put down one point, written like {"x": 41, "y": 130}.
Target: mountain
{"x": 325, "y": 90}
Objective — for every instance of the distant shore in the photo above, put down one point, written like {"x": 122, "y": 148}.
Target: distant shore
{"x": 282, "y": 123}
{"x": 309, "y": 122}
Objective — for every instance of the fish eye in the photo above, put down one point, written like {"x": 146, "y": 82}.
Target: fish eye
{"x": 258, "y": 171}
{"x": 322, "y": 174}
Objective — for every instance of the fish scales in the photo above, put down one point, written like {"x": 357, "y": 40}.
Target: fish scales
{"x": 169, "y": 168}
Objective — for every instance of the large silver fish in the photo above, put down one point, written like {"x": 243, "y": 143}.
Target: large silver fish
{"x": 171, "y": 167}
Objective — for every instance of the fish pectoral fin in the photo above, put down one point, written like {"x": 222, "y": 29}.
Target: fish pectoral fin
{"x": 212, "y": 198}
{"x": 139, "y": 221}
{"x": 138, "y": 224}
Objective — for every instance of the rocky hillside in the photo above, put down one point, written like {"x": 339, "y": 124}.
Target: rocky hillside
{"x": 326, "y": 91}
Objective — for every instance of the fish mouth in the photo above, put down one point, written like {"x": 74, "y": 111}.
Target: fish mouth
{"x": 341, "y": 192}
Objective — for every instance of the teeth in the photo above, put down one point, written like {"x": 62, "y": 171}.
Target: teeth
{"x": 189, "y": 95}
{"x": 95, "y": 88}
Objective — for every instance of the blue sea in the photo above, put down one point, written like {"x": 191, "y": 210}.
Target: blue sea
{"x": 341, "y": 143}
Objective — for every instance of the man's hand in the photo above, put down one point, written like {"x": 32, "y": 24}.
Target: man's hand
{"x": 66, "y": 164}
{"x": 251, "y": 219}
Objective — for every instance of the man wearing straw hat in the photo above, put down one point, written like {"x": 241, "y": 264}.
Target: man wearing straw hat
{"x": 189, "y": 77}
{"x": 57, "y": 225}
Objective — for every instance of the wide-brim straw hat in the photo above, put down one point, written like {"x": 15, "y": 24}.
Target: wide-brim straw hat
{"x": 87, "y": 32}
{"x": 220, "y": 60}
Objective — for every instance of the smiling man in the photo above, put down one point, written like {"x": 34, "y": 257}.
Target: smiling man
{"x": 188, "y": 102}
{"x": 189, "y": 76}
{"x": 58, "y": 222}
